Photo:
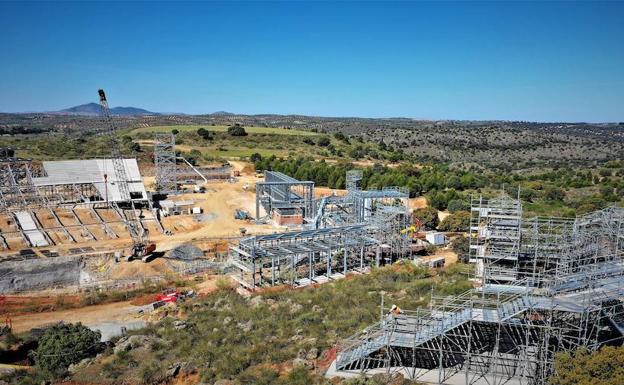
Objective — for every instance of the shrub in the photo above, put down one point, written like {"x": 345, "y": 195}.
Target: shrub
{"x": 65, "y": 344}
{"x": 604, "y": 367}
{"x": 205, "y": 134}
{"x": 237, "y": 130}
{"x": 323, "y": 141}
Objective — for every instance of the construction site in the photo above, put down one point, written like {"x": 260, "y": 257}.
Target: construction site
{"x": 542, "y": 286}
{"x": 336, "y": 234}
{"x": 81, "y": 223}
{"x": 77, "y": 224}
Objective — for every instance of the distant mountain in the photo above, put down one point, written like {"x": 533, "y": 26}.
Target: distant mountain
{"x": 94, "y": 109}
{"x": 222, "y": 113}
{"x": 131, "y": 111}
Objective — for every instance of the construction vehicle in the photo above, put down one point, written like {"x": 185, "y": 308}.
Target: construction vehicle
{"x": 141, "y": 248}
{"x": 241, "y": 215}
{"x": 168, "y": 295}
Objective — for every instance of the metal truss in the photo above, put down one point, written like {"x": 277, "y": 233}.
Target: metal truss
{"x": 303, "y": 257}
{"x": 165, "y": 163}
{"x": 17, "y": 191}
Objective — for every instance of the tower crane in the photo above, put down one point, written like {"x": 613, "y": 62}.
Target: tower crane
{"x": 141, "y": 248}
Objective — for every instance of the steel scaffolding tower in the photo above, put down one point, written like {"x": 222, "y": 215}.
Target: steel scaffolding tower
{"x": 565, "y": 292}
{"x": 495, "y": 228}
{"x": 354, "y": 179}
{"x": 165, "y": 163}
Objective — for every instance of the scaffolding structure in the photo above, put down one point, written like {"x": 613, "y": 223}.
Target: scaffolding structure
{"x": 165, "y": 163}
{"x": 280, "y": 191}
{"x": 549, "y": 285}
{"x": 495, "y": 230}
{"x": 353, "y": 180}
{"x": 17, "y": 190}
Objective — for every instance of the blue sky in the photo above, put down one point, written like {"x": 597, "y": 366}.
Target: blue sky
{"x": 561, "y": 61}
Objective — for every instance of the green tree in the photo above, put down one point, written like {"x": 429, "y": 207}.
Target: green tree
{"x": 175, "y": 131}
{"x": 428, "y": 217}
{"x": 256, "y": 158}
{"x": 461, "y": 246}
{"x": 458, "y": 221}
{"x": 604, "y": 367}
{"x": 65, "y": 344}
{"x": 458, "y": 205}
{"x": 237, "y": 130}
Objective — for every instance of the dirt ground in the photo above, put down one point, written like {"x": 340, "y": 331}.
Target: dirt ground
{"x": 418, "y": 203}
{"x": 90, "y": 315}
{"x": 449, "y": 255}
{"x": 23, "y": 318}
{"x": 136, "y": 269}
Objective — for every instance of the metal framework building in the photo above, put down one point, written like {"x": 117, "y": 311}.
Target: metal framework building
{"x": 339, "y": 238}
{"x": 282, "y": 192}
{"x": 549, "y": 285}
{"x": 303, "y": 257}
{"x": 165, "y": 163}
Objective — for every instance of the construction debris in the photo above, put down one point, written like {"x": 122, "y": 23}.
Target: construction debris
{"x": 185, "y": 252}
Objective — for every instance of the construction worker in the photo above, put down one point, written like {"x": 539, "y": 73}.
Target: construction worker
{"x": 395, "y": 311}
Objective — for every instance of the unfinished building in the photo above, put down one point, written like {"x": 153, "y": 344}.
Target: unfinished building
{"x": 347, "y": 233}
{"x": 547, "y": 285}
{"x": 303, "y": 257}
{"x": 67, "y": 202}
{"x": 285, "y": 200}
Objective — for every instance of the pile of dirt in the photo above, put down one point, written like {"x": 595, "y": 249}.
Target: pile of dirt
{"x": 138, "y": 269}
